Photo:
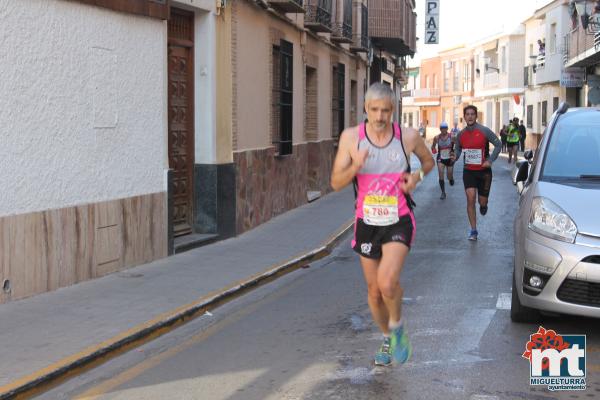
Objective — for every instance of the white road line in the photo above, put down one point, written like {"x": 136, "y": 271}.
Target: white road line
{"x": 474, "y": 323}
{"x": 503, "y": 302}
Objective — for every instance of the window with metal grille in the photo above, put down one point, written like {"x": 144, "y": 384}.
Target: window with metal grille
{"x": 554, "y": 104}
{"x": 282, "y": 105}
{"x": 456, "y": 72}
{"x": 446, "y": 74}
{"x": 544, "y": 113}
{"x": 530, "y": 116}
{"x": 338, "y": 79}
{"x": 467, "y": 76}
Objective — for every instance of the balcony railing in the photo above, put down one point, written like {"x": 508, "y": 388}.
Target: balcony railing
{"x": 491, "y": 79}
{"x": 318, "y": 15}
{"x": 360, "y": 43}
{"x": 342, "y": 26}
{"x": 426, "y": 92}
{"x": 578, "y": 43}
{"x": 287, "y": 6}
{"x": 388, "y": 29}
{"x": 540, "y": 61}
{"x": 341, "y": 33}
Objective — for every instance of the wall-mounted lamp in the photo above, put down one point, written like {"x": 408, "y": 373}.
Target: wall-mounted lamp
{"x": 221, "y": 4}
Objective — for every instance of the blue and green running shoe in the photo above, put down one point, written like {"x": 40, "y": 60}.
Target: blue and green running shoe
{"x": 401, "y": 348}
{"x": 384, "y": 355}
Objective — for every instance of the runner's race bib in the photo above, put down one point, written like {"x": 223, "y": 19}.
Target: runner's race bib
{"x": 380, "y": 210}
{"x": 473, "y": 156}
{"x": 445, "y": 154}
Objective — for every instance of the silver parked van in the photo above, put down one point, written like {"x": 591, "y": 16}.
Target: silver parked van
{"x": 557, "y": 226}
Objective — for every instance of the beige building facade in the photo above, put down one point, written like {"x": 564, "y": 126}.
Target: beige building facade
{"x": 499, "y": 79}
{"x": 544, "y": 67}
{"x": 427, "y": 97}
{"x": 457, "y": 84}
{"x": 410, "y": 112}
{"x": 300, "y": 72}
{"x": 297, "y": 81}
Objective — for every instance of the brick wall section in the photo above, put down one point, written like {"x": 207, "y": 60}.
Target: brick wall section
{"x": 320, "y": 163}
{"x": 267, "y": 185}
{"x": 312, "y": 116}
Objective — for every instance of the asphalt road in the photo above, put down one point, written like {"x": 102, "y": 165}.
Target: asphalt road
{"x": 309, "y": 335}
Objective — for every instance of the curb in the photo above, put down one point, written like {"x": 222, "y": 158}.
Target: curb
{"x": 46, "y": 378}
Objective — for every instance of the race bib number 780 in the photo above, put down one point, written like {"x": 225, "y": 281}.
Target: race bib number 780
{"x": 380, "y": 210}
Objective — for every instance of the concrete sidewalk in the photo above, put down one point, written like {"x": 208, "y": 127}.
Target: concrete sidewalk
{"x": 46, "y": 338}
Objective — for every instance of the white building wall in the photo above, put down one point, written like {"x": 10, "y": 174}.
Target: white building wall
{"x": 554, "y": 57}
{"x": 83, "y": 105}
{"x": 534, "y": 30}
{"x": 535, "y": 97}
{"x": 516, "y": 57}
{"x": 504, "y": 44}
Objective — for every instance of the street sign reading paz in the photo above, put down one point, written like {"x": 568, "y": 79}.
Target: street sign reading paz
{"x": 432, "y": 21}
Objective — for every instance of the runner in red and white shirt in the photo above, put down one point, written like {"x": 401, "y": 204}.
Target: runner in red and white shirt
{"x": 443, "y": 146}
{"x": 474, "y": 142}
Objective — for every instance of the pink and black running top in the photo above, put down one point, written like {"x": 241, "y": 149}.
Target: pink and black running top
{"x": 380, "y": 200}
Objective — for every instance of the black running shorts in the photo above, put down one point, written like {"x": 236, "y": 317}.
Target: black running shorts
{"x": 368, "y": 239}
{"x": 447, "y": 162}
{"x": 481, "y": 180}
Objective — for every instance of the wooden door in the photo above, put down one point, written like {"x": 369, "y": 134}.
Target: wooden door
{"x": 181, "y": 118}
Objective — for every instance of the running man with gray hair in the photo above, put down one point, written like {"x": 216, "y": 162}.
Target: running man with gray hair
{"x": 376, "y": 156}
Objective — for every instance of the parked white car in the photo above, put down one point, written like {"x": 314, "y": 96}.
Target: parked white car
{"x": 557, "y": 226}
